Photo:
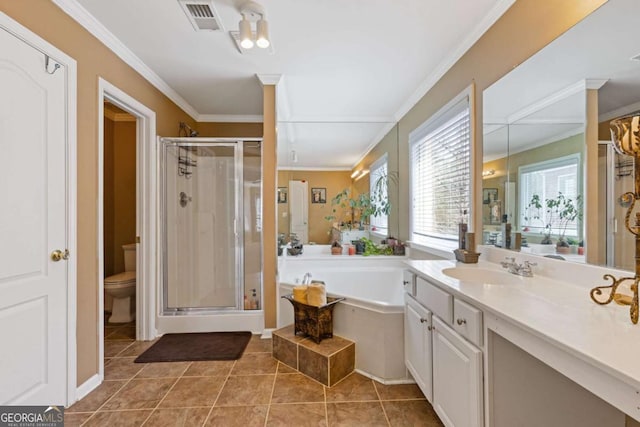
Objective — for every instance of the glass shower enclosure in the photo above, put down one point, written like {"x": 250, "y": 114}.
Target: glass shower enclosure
{"x": 211, "y": 225}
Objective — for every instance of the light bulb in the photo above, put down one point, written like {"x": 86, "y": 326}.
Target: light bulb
{"x": 262, "y": 34}
{"x": 246, "y": 38}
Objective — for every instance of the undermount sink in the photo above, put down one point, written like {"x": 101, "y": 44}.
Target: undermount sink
{"x": 482, "y": 275}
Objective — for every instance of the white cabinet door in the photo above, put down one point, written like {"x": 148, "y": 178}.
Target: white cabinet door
{"x": 417, "y": 343}
{"x": 457, "y": 378}
{"x": 33, "y": 288}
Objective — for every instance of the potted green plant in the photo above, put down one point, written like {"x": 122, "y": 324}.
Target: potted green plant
{"x": 559, "y": 212}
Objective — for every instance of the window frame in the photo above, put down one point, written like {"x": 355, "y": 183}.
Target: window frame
{"x": 440, "y": 246}
{"x": 567, "y": 160}
{"x": 382, "y": 161}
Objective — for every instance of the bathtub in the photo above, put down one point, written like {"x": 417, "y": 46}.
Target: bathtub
{"x": 372, "y": 314}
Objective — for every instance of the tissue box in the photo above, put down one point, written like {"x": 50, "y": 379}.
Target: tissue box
{"x": 311, "y": 321}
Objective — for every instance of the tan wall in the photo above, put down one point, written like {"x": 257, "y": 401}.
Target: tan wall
{"x": 230, "y": 130}
{"x": 333, "y": 181}
{"x": 94, "y": 60}
{"x": 119, "y": 192}
{"x": 536, "y": 23}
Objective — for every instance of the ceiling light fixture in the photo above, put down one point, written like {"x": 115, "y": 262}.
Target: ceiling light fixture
{"x": 246, "y": 37}
{"x": 488, "y": 172}
{"x": 252, "y": 11}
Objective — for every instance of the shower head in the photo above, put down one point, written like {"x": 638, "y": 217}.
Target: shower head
{"x": 186, "y": 130}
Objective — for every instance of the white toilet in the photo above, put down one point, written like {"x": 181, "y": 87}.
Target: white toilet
{"x": 122, "y": 288}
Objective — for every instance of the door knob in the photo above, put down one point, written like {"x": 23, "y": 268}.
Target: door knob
{"x": 58, "y": 255}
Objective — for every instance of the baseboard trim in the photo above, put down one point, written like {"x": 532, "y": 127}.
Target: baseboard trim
{"x": 267, "y": 333}
{"x": 88, "y": 386}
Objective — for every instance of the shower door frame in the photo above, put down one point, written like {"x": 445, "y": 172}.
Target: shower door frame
{"x": 238, "y": 145}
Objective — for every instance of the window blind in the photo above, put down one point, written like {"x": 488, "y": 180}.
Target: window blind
{"x": 440, "y": 174}
{"x": 378, "y": 185}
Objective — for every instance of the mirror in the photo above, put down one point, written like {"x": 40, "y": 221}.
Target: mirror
{"x": 540, "y": 110}
{"x": 315, "y": 163}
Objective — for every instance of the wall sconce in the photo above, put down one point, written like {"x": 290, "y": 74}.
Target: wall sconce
{"x": 625, "y": 133}
{"x": 250, "y": 11}
{"x": 359, "y": 174}
{"x": 488, "y": 172}
{"x": 355, "y": 173}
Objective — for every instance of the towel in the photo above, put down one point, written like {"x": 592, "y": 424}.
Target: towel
{"x": 316, "y": 295}
{"x": 300, "y": 293}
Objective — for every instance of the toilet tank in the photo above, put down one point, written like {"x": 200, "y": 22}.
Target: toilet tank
{"x": 129, "y": 257}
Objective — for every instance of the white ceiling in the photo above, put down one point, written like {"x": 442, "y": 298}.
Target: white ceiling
{"x": 600, "y": 47}
{"x": 365, "y": 62}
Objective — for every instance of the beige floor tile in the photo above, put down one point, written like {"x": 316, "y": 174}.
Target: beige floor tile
{"x": 94, "y": 400}
{"x": 123, "y": 333}
{"x": 178, "y": 417}
{"x": 398, "y": 391}
{"x": 137, "y": 348}
{"x": 113, "y": 348}
{"x": 299, "y": 415}
{"x": 246, "y": 390}
{"x": 254, "y": 364}
{"x": 296, "y": 388}
{"x": 214, "y": 368}
{"x": 411, "y": 413}
{"x": 122, "y": 368}
{"x": 75, "y": 420}
{"x": 345, "y": 414}
{"x": 140, "y": 394}
{"x": 258, "y": 345}
{"x": 284, "y": 369}
{"x": 193, "y": 391}
{"x": 163, "y": 370}
{"x": 118, "y": 418}
{"x": 238, "y": 416}
{"x": 355, "y": 387}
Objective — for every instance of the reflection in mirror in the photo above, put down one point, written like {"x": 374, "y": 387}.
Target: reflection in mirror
{"x": 328, "y": 158}
{"x": 549, "y": 106}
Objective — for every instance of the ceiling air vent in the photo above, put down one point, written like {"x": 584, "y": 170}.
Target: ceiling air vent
{"x": 202, "y": 15}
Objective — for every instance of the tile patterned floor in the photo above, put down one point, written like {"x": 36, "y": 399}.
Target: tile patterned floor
{"x": 255, "y": 390}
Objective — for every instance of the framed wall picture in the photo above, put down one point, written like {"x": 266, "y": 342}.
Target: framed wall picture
{"x": 495, "y": 212}
{"x": 489, "y": 195}
{"x": 282, "y": 194}
{"x": 318, "y": 195}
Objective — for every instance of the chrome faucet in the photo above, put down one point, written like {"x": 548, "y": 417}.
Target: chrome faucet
{"x": 513, "y": 267}
{"x": 306, "y": 279}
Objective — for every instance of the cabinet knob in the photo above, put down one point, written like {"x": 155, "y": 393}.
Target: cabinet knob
{"x": 405, "y": 282}
{"x": 461, "y": 321}
{"x": 422, "y": 320}
{"x": 431, "y": 328}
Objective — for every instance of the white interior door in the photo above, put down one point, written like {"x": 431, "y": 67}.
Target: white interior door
{"x": 299, "y": 209}
{"x": 33, "y": 199}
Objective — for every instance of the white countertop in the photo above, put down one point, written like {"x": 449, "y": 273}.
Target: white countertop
{"x": 561, "y": 313}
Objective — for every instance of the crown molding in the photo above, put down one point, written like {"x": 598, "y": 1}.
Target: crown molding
{"x": 579, "y": 86}
{"x": 375, "y": 141}
{"x": 269, "y": 79}
{"x": 230, "y": 118}
{"x": 314, "y": 169}
{"x": 99, "y": 31}
{"x": 340, "y": 119}
{"x": 619, "y": 112}
{"x": 496, "y": 12}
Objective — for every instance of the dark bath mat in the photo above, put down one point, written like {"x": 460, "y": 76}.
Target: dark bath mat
{"x": 196, "y": 346}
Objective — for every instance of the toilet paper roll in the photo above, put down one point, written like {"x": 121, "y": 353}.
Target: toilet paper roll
{"x": 316, "y": 295}
{"x": 300, "y": 293}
